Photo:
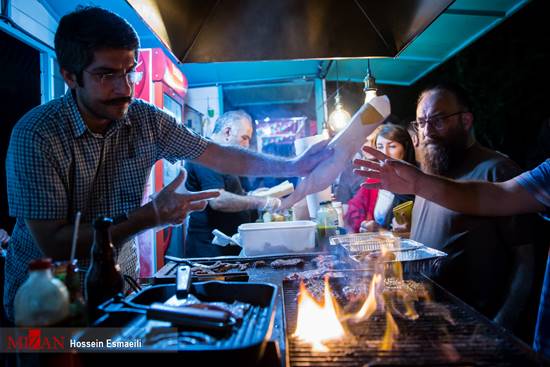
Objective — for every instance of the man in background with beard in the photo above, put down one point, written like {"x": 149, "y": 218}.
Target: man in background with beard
{"x": 490, "y": 260}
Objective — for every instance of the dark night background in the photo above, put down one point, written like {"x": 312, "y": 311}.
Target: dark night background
{"x": 507, "y": 74}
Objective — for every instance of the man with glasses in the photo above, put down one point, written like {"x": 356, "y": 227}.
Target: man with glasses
{"x": 91, "y": 151}
{"x": 484, "y": 253}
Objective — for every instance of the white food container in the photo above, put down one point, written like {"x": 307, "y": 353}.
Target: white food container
{"x": 277, "y": 237}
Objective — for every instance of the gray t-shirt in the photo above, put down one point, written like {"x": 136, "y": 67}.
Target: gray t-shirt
{"x": 478, "y": 267}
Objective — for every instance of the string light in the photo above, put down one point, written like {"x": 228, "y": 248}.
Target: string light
{"x": 370, "y": 84}
{"x": 339, "y": 118}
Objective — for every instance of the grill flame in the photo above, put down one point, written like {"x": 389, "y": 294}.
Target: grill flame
{"x": 317, "y": 323}
{"x": 370, "y": 304}
{"x": 390, "y": 334}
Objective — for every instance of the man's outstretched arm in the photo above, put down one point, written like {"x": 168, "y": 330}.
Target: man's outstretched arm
{"x": 242, "y": 162}
{"x": 470, "y": 197}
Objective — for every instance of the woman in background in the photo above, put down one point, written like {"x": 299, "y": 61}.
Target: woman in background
{"x": 371, "y": 209}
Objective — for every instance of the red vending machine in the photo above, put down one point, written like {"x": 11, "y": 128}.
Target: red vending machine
{"x": 164, "y": 85}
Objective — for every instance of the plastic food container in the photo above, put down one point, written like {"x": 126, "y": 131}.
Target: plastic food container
{"x": 277, "y": 237}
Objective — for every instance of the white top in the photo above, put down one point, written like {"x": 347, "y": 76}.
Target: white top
{"x": 383, "y": 206}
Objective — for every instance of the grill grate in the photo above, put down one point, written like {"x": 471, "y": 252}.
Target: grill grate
{"x": 431, "y": 340}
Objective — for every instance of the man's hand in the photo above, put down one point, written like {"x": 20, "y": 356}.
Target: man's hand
{"x": 397, "y": 227}
{"x": 171, "y": 206}
{"x": 396, "y": 176}
{"x": 272, "y": 204}
{"x": 368, "y": 226}
{"x": 309, "y": 159}
{"x": 4, "y": 237}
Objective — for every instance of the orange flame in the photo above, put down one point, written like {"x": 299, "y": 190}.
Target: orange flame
{"x": 369, "y": 306}
{"x": 391, "y": 332}
{"x": 317, "y": 323}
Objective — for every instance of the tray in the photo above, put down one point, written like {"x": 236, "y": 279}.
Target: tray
{"x": 245, "y": 344}
{"x": 367, "y": 242}
{"x": 422, "y": 259}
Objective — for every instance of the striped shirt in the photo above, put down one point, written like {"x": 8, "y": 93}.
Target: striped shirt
{"x": 537, "y": 182}
{"x": 56, "y": 167}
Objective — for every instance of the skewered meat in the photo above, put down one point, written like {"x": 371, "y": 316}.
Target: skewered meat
{"x": 218, "y": 267}
{"x": 259, "y": 264}
{"x": 285, "y": 263}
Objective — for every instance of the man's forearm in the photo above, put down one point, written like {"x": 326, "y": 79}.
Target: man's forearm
{"x": 241, "y": 162}
{"x": 477, "y": 197}
{"x": 231, "y": 203}
{"x": 139, "y": 220}
{"x": 473, "y": 197}
{"x": 56, "y": 242}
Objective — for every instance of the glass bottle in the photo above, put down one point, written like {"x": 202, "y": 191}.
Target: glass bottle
{"x": 42, "y": 300}
{"x": 103, "y": 279}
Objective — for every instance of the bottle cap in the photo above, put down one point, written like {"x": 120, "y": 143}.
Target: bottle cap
{"x": 40, "y": 264}
{"x": 102, "y": 222}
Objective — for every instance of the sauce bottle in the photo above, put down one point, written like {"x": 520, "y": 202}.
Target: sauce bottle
{"x": 42, "y": 300}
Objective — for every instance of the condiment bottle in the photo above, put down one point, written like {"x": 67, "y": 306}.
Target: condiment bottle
{"x": 42, "y": 300}
{"x": 327, "y": 223}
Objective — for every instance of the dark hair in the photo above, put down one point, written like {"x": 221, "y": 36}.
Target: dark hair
{"x": 229, "y": 118}
{"x": 455, "y": 89}
{"x": 89, "y": 29}
{"x": 399, "y": 134}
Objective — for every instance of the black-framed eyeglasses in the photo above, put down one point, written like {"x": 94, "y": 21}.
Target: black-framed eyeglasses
{"x": 132, "y": 77}
{"x": 437, "y": 122}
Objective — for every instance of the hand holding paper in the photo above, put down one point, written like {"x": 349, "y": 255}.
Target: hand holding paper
{"x": 348, "y": 142}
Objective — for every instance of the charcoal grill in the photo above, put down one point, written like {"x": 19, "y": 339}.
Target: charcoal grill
{"x": 431, "y": 340}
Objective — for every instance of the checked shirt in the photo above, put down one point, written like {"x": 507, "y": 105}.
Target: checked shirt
{"x": 56, "y": 167}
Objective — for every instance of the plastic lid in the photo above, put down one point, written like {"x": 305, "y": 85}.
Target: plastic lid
{"x": 102, "y": 222}
{"x": 40, "y": 264}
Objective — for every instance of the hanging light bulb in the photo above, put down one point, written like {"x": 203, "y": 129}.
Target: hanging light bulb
{"x": 339, "y": 118}
{"x": 370, "y": 85}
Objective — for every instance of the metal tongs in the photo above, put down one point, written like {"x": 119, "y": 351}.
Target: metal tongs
{"x": 181, "y": 316}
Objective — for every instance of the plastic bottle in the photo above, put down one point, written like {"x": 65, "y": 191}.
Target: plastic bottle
{"x": 103, "y": 279}
{"x": 42, "y": 300}
{"x": 327, "y": 223}
{"x": 340, "y": 210}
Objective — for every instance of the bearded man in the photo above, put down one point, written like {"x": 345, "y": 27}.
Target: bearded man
{"x": 490, "y": 260}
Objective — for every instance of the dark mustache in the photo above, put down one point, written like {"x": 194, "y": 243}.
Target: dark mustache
{"x": 119, "y": 101}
